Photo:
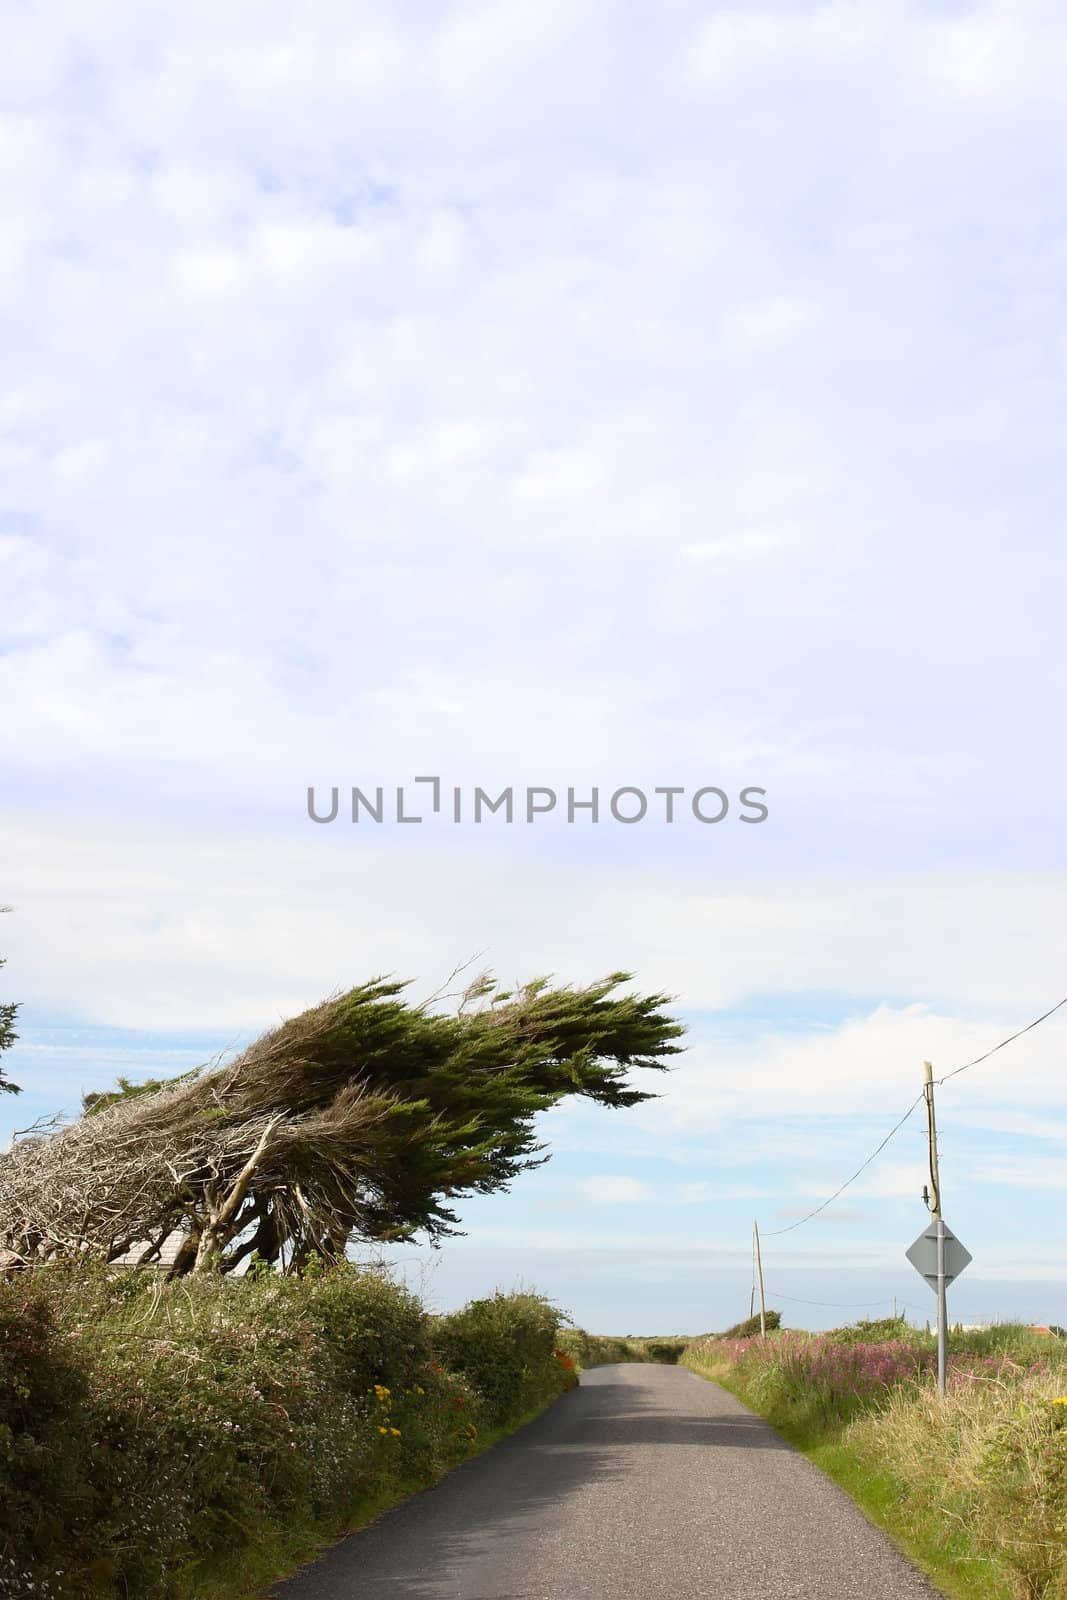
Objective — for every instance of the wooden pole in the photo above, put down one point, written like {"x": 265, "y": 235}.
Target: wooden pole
{"x": 939, "y": 1223}
{"x": 759, "y": 1276}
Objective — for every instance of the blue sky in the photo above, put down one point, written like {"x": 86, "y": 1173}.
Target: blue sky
{"x": 540, "y": 395}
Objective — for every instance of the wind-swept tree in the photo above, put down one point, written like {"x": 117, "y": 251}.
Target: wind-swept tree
{"x": 359, "y": 1118}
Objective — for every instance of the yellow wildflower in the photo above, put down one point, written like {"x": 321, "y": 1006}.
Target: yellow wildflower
{"x": 1061, "y": 1401}
{"x": 383, "y": 1430}
{"x": 395, "y": 1432}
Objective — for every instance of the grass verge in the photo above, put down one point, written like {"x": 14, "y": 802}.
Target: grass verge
{"x": 958, "y": 1568}
{"x": 972, "y": 1488}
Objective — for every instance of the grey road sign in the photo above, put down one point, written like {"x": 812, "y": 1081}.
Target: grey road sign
{"x": 923, "y": 1254}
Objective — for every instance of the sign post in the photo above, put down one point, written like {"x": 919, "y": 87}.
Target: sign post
{"x": 937, "y": 1254}
{"x": 942, "y": 1310}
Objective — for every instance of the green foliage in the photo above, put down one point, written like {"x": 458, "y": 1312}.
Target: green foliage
{"x": 1012, "y": 1339}
{"x": 362, "y": 1116}
{"x": 154, "y": 1435}
{"x": 1021, "y": 1479}
{"x": 669, "y": 1351}
{"x": 751, "y": 1325}
{"x": 974, "y": 1484}
{"x": 468, "y": 1087}
{"x": 379, "y": 1331}
{"x": 598, "y": 1350}
{"x": 506, "y": 1348}
{"x": 873, "y": 1332}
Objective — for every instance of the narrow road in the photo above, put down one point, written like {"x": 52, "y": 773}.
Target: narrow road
{"x": 645, "y": 1481}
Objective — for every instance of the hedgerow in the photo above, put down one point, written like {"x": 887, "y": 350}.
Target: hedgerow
{"x": 157, "y": 1439}
{"x": 597, "y": 1349}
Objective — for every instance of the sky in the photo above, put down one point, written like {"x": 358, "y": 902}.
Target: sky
{"x": 558, "y": 397}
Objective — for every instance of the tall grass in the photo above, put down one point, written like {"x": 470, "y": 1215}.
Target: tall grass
{"x": 991, "y": 1457}
{"x": 974, "y": 1485}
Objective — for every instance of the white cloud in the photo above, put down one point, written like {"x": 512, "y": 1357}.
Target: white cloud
{"x": 764, "y": 324}
{"x": 743, "y": 544}
{"x": 369, "y": 341}
{"x": 734, "y": 42}
{"x": 245, "y": 926}
{"x": 997, "y": 52}
{"x": 566, "y": 398}
{"x": 312, "y": 246}
{"x": 209, "y": 272}
{"x": 562, "y": 474}
{"x": 607, "y": 1191}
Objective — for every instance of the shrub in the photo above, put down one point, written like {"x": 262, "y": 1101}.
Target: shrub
{"x": 666, "y": 1350}
{"x": 751, "y": 1325}
{"x": 42, "y": 1392}
{"x": 874, "y": 1332}
{"x": 379, "y": 1330}
{"x": 154, "y": 1434}
{"x": 597, "y": 1350}
{"x": 506, "y": 1348}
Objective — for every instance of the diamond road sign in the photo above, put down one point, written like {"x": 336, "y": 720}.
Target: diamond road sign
{"x": 923, "y": 1255}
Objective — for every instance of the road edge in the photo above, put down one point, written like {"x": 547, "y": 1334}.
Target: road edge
{"x": 875, "y": 1495}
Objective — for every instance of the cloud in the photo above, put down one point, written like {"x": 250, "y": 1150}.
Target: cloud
{"x": 246, "y": 923}
{"x": 606, "y": 1191}
{"x": 565, "y": 400}
{"x": 755, "y": 542}
{"x": 337, "y": 367}
{"x": 767, "y": 323}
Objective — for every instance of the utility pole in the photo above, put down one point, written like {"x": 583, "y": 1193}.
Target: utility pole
{"x": 759, "y": 1276}
{"x": 939, "y": 1223}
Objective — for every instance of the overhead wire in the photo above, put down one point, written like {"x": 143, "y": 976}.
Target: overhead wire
{"x": 776, "y": 1232}
{"x": 1009, "y": 1040}
{"x": 838, "y": 1305}
{"x": 773, "y": 1233}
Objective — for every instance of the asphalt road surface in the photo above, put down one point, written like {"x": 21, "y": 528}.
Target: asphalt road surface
{"x": 646, "y": 1481}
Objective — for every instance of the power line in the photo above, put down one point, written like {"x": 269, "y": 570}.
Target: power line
{"x": 775, "y": 1232}
{"x": 1003, "y": 1042}
{"x": 837, "y": 1305}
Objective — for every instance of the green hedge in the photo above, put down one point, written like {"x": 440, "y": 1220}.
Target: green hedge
{"x": 160, "y": 1442}
{"x": 507, "y": 1347}
{"x": 598, "y": 1350}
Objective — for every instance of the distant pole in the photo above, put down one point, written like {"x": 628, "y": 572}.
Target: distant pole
{"x": 759, "y": 1276}
{"x": 939, "y": 1223}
